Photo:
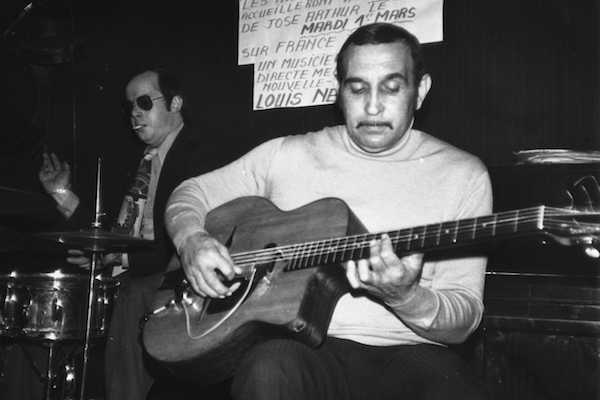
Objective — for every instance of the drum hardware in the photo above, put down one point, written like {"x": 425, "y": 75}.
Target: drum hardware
{"x": 57, "y": 386}
{"x": 52, "y": 306}
{"x": 69, "y": 389}
{"x": 97, "y": 242}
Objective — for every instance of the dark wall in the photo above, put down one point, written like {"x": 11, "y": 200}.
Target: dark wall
{"x": 510, "y": 75}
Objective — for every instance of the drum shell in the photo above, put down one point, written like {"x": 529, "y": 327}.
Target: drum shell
{"x": 54, "y": 306}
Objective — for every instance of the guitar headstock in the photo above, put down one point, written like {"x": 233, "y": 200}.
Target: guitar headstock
{"x": 584, "y": 194}
{"x": 574, "y": 228}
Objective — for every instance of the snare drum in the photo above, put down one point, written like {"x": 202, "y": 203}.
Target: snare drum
{"x": 54, "y": 305}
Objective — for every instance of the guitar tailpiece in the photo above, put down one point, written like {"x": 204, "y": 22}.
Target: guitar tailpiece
{"x": 182, "y": 291}
{"x": 188, "y": 296}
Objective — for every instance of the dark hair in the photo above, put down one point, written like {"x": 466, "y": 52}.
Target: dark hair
{"x": 168, "y": 84}
{"x": 169, "y": 87}
{"x": 381, "y": 33}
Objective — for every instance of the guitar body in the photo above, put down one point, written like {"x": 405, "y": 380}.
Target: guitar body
{"x": 201, "y": 340}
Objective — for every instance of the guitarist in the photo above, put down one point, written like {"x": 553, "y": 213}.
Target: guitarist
{"x": 388, "y": 338}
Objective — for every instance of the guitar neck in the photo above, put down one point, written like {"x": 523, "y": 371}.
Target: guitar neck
{"x": 405, "y": 241}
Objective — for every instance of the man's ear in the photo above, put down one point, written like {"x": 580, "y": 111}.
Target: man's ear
{"x": 176, "y": 103}
{"x": 423, "y": 89}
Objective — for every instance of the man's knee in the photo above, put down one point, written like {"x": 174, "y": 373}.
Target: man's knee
{"x": 268, "y": 359}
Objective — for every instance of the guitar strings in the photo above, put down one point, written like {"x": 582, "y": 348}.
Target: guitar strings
{"x": 360, "y": 241}
{"x": 314, "y": 250}
{"x": 502, "y": 223}
{"x": 188, "y": 323}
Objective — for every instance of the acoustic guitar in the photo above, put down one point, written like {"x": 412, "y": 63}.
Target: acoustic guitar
{"x": 201, "y": 340}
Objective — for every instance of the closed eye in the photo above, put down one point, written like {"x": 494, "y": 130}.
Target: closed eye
{"x": 357, "y": 87}
{"x": 393, "y": 86}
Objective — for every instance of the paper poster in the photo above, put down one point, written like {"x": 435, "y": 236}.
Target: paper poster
{"x": 293, "y": 43}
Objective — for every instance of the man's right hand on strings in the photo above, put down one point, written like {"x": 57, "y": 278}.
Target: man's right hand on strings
{"x": 206, "y": 263}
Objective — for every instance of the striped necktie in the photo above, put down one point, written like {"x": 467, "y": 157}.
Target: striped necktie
{"x": 132, "y": 209}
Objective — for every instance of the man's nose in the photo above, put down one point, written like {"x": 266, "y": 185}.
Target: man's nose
{"x": 374, "y": 105}
{"x": 136, "y": 110}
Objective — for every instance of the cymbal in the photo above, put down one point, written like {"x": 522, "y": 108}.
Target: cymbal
{"x": 10, "y": 241}
{"x": 96, "y": 239}
{"x": 13, "y": 202}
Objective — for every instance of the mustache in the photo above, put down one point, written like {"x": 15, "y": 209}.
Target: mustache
{"x": 374, "y": 124}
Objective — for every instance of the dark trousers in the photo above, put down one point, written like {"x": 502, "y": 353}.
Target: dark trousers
{"x": 345, "y": 370}
{"x": 129, "y": 371}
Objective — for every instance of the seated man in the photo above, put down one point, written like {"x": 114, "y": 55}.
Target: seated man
{"x": 169, "y": 153}
{"x": 389, "y": 336}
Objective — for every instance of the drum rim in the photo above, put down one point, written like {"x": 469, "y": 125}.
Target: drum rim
{"x": 53, "y": 276}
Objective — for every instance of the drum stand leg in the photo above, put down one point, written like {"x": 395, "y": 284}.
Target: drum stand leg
{"x": 50, "y": 376}
{"x": 67, "y": 389}
{"x": 50, "y": 373}
{"x": 88, "y": 325}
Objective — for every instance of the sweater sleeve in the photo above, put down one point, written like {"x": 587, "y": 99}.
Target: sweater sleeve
{"x": 191, "y": 201}
{"x": 451, "y": 307}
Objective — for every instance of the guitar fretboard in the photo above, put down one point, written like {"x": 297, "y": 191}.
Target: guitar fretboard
{"x": 412, "y": 240}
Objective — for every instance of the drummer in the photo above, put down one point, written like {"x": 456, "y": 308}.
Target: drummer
{"x": 169, "y": 152}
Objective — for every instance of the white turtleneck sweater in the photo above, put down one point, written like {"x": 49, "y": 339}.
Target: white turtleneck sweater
{"x": 421, "y": 181}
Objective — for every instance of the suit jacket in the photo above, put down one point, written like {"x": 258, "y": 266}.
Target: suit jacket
{"x": 187, "y": 157}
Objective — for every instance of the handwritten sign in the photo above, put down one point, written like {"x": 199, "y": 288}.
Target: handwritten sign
{"x": 293, "y": 44}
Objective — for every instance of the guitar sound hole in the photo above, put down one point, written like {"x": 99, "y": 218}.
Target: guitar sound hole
{"x": 217, "y": 306}
{"x": 223, "y": 305}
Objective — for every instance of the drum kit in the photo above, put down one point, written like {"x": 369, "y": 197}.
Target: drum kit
{"x": 68, "y": 305}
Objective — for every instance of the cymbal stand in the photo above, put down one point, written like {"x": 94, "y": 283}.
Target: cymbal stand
{"x": 95, "y": 263}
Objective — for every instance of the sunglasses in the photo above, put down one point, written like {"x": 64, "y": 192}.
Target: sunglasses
{"x": 144, "y": 102}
